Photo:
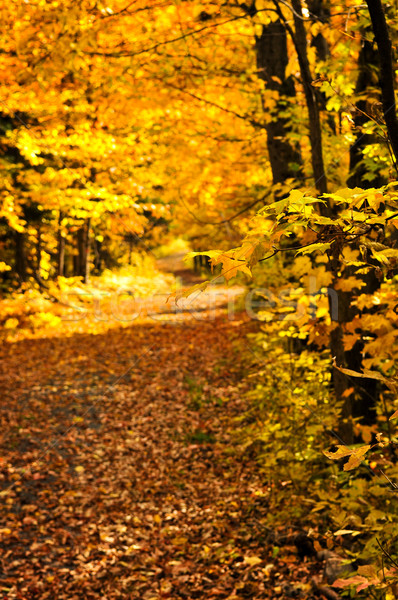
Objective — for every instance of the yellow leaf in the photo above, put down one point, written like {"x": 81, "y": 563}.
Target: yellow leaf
{"x": 11, "y": 324}
{"x": 380, "y": 257}
{"x": 356, "y": 458}
{"x": 252, "y": 561}
{"x": 318, "y": 82}
{"x": 267, "y": 569}
{"x": 79, "y": 469}
{"x": 391, "y": 382}
{"x": 179, "y": 541}
{"x": 4, "y": 267}
{"x": 133, "y": 547}
{"x": 346, "y": 284}
{"x": 341, "y": 452}
{"x": 6, "y": 530}
{"x": 184, "y": 293}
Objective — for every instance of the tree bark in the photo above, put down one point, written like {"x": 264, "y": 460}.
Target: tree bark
{"x": 82, "y": 266}
{"x": 20, "y": 256}
{"x": 319, "y": 10}
{"x": 272, "y": 60}
{"x": 387, "y": 77}
{"x": 98, "y": 256}
{"x": 367, "y": 78}
{"x": 299, "y": 38}
{"x": 38, "y": 256}
{"x": 360, "y": 404}
{"x": 61, "y": 248}
{"x": 310, "y": 97}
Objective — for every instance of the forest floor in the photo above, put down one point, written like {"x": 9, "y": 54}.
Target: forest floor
{"x": 122, "y": 475}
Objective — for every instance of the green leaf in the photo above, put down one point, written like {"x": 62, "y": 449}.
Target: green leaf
{"x": 320, "y": 247}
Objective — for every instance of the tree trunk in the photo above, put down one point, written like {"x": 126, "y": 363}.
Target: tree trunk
{"x": 38, "y": 256}
{"x": 272, "y": 60}
{"x": 98, "y": 256}
{"x": 299, "y": 38}
{"x": 61, "y": 248}
{"x": 358, "y": 404}
{"x": 80, "y": 252}
{"x": 319, "y": 10}
{"x": 311, "y": 100}
{"x": 82, "y": 265}
{"x": 87, "y": 252}
{"x": 387, "y": 76}
{"x": 367, "y": 81}
{"x": 130, "y": 248}
{"x": 361, "y": 403}
{"x": 20, "y": 256}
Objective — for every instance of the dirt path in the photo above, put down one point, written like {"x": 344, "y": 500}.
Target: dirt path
{"x": 119, "y": 475}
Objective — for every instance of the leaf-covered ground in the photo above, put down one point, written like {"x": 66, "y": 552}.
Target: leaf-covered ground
{"x": 120, "y": 473}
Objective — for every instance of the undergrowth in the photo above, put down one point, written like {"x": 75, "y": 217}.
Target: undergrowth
{"x": 292, "y": 420}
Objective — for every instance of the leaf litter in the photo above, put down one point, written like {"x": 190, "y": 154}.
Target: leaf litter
{"x": 120, "y": 472}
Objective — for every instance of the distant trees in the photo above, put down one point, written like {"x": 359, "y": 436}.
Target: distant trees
{"x": 72, "y": 162}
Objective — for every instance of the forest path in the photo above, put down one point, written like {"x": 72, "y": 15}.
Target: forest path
{"x": 120, "y": 476}
{"x": 174, "y": 263}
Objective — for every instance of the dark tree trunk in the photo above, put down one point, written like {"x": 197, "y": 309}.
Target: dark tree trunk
{"x": 20, "y": 256}
{"x": 61, "y": 248}
{"x": 98, "y": 256}
{"x": 321, "y": 11}
{"x": 272, "y": 60}
{"x": 367, "y": 81}
{"x": 387, "y": 76}
{"x": 130, "y": 242}
{"x": 300, "y": 40}
{"x": 82, "y": 265}
{"x": 87, "y": 245}
{"x": 38, "y": 256}
{"x": 201, "y": 263}
{"x": 361, "y": 403}
{"x": 79, "y": 261}
{"x": 196, "y": 264}
{"x": 76, "y": 266}
{"x": 345, "y": 310}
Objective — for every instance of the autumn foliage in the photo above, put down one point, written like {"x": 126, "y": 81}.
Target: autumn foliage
{"x": 255, "y": 456}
